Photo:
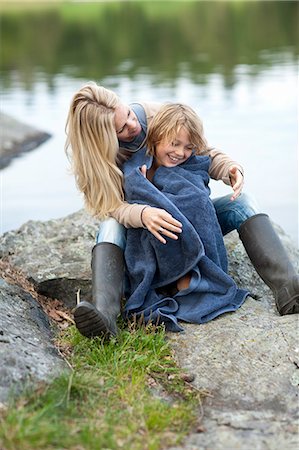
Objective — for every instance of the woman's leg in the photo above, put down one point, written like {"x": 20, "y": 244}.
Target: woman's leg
{"x": 113, "y": 232}
{"x": 99, "y": 316}
{"x": 264, "y": 248}
{"x": 271, "y": 261}
{"x": 231, "y": 214}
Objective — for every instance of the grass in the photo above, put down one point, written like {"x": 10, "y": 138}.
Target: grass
{"x": 126, "y": 393}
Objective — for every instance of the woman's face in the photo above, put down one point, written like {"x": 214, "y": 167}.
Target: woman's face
{"x": 171, "y": 154}
{"x": 127, "y": 125}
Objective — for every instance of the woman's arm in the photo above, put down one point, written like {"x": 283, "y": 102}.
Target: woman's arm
{"x": 129, "y": 215}
{"x": 156, "y": 220}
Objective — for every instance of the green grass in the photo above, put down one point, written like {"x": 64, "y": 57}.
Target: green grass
{"x": 126, "y": 393}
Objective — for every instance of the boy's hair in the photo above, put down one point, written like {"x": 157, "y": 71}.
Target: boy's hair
{"x": 167, "y": 123}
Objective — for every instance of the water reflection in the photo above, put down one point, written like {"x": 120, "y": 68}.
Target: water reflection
{"x": 234, "y": 62}
{"x": 158, "y": 38}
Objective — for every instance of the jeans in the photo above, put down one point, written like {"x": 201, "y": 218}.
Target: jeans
{"x": 230, "y": 214}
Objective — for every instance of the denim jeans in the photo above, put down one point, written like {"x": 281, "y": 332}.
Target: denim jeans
{"x": 230, "y": 214}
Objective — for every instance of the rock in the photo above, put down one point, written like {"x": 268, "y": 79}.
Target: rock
{"x": 17, "y": 138}
{"x": 248, "y": 361}
{"x": 54, "y": 255}
{"x": 27, "y": 354}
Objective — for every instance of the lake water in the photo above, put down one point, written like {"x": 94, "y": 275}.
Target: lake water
{"x": 245, "y": 91}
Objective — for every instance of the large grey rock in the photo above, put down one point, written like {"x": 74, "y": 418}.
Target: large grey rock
{"x": 54, "y": 255}
{"x": 27, "y": 353}
{"x": 17, "y": 138}
{"x": 248, "y": 361}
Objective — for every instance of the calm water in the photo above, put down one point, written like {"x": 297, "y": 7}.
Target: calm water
{"x": 243, "y": 84}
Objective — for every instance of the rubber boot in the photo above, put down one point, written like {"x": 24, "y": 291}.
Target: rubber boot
{"x": 271, "y": 262}
{"x": 99, "y": 317}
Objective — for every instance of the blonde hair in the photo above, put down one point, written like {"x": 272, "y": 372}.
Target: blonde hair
{"x": 92, "y": 148}
{"x": 167, "y": 123}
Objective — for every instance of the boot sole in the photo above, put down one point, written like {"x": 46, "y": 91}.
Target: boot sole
{"x": 292, "y": 307}
{"x": 89, "y": 321}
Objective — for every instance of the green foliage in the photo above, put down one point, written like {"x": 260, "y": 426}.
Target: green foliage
{"x": 124, "y": 393}
{"x": 96, "y": 40}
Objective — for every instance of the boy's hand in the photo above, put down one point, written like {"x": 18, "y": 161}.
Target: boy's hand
{"x": 143, "y": 170}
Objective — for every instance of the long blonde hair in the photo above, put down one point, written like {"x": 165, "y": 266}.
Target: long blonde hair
{"x": 92, "y": 148}
{"x": 167, "y": 123}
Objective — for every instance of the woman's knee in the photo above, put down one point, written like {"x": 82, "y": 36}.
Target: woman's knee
{"x": 247, "y": 205}
{"x": 247, "y": 199}
{"x": 232, "y": 213}
{"x": 112, "y": 231}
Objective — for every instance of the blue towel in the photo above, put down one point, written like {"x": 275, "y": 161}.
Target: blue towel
{"x": 183, "y": 191}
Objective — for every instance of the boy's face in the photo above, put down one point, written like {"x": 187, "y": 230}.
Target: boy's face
{"x": 127, "y": 125}
{"x": 171, "y": 154}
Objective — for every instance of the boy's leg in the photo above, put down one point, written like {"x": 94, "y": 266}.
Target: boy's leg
{"x": 99, "y": 316}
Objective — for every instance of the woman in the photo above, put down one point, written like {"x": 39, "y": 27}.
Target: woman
{"x": 102, "y": 133}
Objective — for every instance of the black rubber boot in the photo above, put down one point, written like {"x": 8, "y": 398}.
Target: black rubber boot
{"x": 99, "y": 317}
{"x": 271, "y": 262}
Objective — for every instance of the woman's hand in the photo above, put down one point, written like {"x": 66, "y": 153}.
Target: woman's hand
{"x": 236, "y": 180}
{"x": 158, "y": 221}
